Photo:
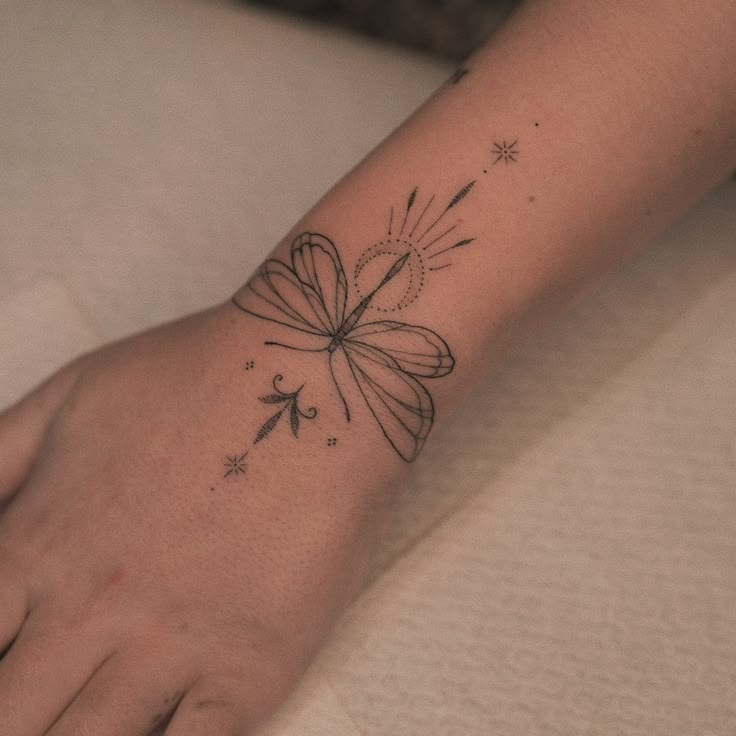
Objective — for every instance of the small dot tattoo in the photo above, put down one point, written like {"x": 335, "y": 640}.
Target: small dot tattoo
{"x": 331, "y": 441}
{"x": 250, "y": 365}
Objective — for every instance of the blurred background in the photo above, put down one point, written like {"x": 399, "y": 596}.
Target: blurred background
{"x": 449, "y": 28}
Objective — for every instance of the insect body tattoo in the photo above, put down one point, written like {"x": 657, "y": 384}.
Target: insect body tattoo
{"x": 383, "y": 359}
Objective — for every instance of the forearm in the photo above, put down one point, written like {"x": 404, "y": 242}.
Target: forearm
{"x": 579, "y": 132}
{"x": 622, "y": 117}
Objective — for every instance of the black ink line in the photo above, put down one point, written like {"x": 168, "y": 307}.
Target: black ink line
{"x": 461, "y": 194}
{"x": 390, "y": 220}
{"x": 439, "y": 268}
{"x": 337, "y": 386}
{"x": 439, "y": 237}
{"x": 431, "y": 199}
{"x": 409, "y": 205}
{"x": 453, "y": 202}
{"x": 460, "y": 244}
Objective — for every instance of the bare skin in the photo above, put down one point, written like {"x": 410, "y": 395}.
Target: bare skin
{"x": 183, "y": 590}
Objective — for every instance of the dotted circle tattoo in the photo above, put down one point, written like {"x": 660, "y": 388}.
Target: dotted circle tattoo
{"x": 407, "y": 285}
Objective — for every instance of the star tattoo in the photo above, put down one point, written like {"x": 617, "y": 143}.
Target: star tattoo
{"x": 505, "y": 151}
{"x": 235, "y": 464}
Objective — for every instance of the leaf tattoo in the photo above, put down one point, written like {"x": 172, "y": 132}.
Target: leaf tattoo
{"x": 268, "y": 427}
{"x": 409, "y": 205}
{"x": 461, "y": 194}
{"x": 290, "y": 402}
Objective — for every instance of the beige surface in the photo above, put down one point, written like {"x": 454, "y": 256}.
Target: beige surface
{"x": 567, "y": 553}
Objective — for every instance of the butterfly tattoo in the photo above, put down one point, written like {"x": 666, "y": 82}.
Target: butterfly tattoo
{"x": 385, "y": 359}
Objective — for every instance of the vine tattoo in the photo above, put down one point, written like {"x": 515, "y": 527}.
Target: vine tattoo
{"x": 383, "y": 359}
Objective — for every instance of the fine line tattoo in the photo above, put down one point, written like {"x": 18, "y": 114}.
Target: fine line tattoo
{"x": 383, "y": 359}
{"x": 235, "y": 464}
{"x": 505, "y": 151}
{"x": 422, "y": 233}
{"x": 288, "y": 403}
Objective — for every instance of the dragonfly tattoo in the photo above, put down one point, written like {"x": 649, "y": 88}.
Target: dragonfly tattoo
{"x": 385, "y": 359}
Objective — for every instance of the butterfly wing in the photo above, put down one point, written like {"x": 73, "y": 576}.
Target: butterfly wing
{"x": 274, "y": 293}
{"x": 416, "y": 350}
{"x": 318, "y": 267}
{"x": 385, "y": 358}
{"x": 310, "y": 297}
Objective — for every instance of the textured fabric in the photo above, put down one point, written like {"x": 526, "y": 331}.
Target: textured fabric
{"x": 564, "y": 554}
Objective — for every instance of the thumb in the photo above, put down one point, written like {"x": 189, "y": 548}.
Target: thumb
{"x": 24, "y": 425}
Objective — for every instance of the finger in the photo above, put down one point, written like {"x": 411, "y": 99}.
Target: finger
{"x": 45, "y": 668}
{"x": 210, "y": 711}
{"x": 14, "y": 602}
{"x": 23, "y": 427}
{"x": 124, "y": 697}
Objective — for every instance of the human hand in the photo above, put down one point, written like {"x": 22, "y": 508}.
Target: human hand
{"x": 136, "y": 581}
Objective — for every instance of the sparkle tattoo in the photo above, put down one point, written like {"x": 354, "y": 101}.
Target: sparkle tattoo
{"x": 505, "y": 151}
{"x": 235, "y": 465}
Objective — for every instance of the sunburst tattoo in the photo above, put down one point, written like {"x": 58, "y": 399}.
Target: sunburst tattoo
{"x": 505, "y": 151}
{"x": 235, "y": 464}
{"x": 420, "y": 232}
